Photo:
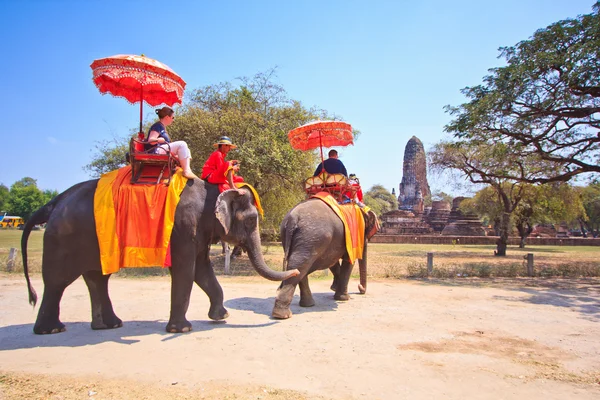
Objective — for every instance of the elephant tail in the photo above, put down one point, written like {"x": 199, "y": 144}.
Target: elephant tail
{"x": 39, "y": 217}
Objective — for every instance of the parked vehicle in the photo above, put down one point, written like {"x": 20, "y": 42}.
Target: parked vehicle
{"x": 9, "y": 221}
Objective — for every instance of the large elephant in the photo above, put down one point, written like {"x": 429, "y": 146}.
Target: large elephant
{"x": 313, "y": 238}
{"x": 202, "y": 217}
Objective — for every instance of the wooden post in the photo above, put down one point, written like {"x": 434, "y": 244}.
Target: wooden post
{"x": 429, "y": 263}
{"x": 12, "y": 257}
{"x": 529, "y": 264}
{"x": 227, "y": 258}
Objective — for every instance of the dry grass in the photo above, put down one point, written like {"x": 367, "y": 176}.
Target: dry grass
{"x": 386, "y": 260}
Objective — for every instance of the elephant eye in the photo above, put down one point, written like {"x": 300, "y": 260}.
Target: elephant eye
{"x": 250, "y": 222}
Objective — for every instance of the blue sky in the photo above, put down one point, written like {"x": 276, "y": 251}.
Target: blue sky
{"x": 386, "y": 67}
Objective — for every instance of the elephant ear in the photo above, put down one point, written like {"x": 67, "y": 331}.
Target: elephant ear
{"x": 223, "y": 208}
{"x": 373, "y": 225}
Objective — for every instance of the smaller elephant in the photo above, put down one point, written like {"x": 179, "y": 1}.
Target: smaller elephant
{"x": 313, "y": 239}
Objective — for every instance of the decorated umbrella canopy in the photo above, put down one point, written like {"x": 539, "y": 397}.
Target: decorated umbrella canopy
{"x": 321, "y": 134}
{"x": 138, "y": 78}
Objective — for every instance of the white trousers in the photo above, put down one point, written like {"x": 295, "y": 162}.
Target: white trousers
{"x": 179, "y": 148}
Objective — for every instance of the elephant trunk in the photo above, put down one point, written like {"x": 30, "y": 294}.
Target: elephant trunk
{"x": 255, "y": 255}
{"x": 362, "y": 267}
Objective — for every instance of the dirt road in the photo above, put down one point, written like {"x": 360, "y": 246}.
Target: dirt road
{"x": 403, "y": 340}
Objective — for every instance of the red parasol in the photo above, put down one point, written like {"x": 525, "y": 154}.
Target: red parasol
{"x": 321, "y": 134}
{"x": 138, "y": 79}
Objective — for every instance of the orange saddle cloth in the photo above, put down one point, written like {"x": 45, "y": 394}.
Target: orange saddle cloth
{"x": 134, "y": 222}
{"x": 354, "y": 224}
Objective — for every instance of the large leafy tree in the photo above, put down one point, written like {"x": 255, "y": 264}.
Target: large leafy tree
{"x": 488, "y": 164}
{"x": 109, "y": 155}
{"x": 590, "y": 196}
{"x": 550, "y": 203}
{"x": 257, "y": 114}
{"x": 25, "y": 198}
{"x": 380, "y": 200}
{"x": 4, "y": 194}
{"x": 544, "y": 104}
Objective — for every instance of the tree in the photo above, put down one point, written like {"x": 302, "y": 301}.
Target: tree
{"x": 544, "y": 104}
{"x": 380, "y": 200}
{"x": 590, "y": 196}
{"x": 25, "y": 198}
{"x": 4, "y": 195}
{"x": 488, "y": 164}
{"x": 110, "y": 155}
{"x": 256, "y": 115}
{"x": 549, "y": 203}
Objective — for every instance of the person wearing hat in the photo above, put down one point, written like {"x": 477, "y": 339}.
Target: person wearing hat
{"x": 157, "y": 135}
{"x": 217, "y": 170}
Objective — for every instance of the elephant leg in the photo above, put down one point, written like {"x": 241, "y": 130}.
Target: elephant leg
{"x": 306, "y": 298}
{"x": 103, "y": 315}
{"x": 48, "y": 319}
{"x": 182, "y": 280}
{"x": 206, "y": 279}
{"x": 335, "y": 270}
{"x": 341, "y": 292}
{"x": 283, "y": 299}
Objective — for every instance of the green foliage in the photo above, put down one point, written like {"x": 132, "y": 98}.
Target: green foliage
{"x": 590, "y": 197}
{"x": 49, "y": 195}
{"x": 380, "y": 200}
{"x": 25, "y": 198}
{"x": 256, "y": 115}
{"x": 540, "y": 111}
{"x": 4, "y": 195}
{"x": 110, "y": 155}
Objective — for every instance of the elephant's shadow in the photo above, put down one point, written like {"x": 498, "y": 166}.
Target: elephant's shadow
{"x": 323, "y": 302}
{"x": 79, "y": 334}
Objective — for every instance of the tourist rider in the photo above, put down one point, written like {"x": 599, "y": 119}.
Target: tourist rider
{"x": 332, "y": 165}
{"x": 217, "y": 170}
{"x": 157, "y": 135}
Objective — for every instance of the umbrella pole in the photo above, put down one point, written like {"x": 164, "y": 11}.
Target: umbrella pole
{"x": 321, "y": 147}
{"x": 141, "y": 105}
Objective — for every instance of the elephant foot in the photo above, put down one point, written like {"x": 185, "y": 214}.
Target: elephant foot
{"x": 113, "y": 324}
{"x": 218, "y": 314}
{"x": 307, "y": 302}
{"x": 333, "y": 287}
{"x": 181, "y": 327}
{"x": 281, "y": 313}
{"x": 342, "y": 297}
{"x": 362, "y": 289}
{"x": 40, "y": 329}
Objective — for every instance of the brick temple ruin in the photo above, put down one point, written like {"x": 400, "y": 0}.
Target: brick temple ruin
{"x": 412, "y": 217}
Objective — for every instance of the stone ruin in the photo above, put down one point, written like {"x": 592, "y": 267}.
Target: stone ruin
{"x": 414, "y": 187}
{"x": 412, "y": 218}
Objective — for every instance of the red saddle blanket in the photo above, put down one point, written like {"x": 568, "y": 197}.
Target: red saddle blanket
{"x": 354, "y": 224}
{"x": 134, "y": 222}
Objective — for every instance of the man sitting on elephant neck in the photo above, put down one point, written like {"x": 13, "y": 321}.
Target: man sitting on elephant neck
{"x": 217, "y": 170}
{"x": 332, "y": 165}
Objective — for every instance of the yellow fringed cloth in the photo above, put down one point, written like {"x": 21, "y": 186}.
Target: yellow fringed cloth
{"x": 241, "y": 185}
{"x": 134, "y": 222}
{"x": 354, "y": 224}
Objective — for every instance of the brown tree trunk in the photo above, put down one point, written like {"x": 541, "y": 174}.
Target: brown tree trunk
{"x": 502, "y": 242}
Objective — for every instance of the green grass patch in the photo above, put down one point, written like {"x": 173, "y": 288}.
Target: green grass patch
{"x": 394, "y": 261}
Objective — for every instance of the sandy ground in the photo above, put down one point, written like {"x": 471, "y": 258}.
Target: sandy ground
{"x": 403, "y": 340}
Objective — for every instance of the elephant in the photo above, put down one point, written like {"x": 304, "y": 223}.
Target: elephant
{"x": 203, "y": 217}
{"x": 312, "y": 236}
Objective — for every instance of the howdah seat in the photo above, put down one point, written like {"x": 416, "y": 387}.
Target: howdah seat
{"x": 335, "y": 184}
{"x": 148, "y": 167}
